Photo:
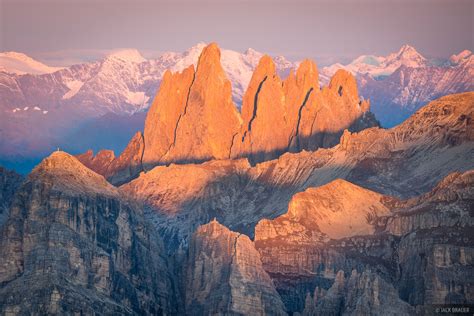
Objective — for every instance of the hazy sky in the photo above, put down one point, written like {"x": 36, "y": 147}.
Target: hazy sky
{"x": 70, "y": 30}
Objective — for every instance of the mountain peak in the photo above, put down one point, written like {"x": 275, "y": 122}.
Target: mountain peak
{"x": 195, "y": 51}
{"x": 407, "y": 48}
{"x": 67, "y": 173}
{"x": 210, "y": 54}
{"x": 128, "y": 55}
{"x": 251, "y": 51}
{"x": 19, "y": 63}
{"x": 458, "y": 58}
{"x": 408, "y": 53}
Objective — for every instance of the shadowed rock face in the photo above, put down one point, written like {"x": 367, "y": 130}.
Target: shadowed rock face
{"x": 193, "y": 118}
{"x": 403, "y": 162}
{"x": 9, "y": 182}
{"x": 418, "y": 252}
{"x": 71, "y": 244}
{"x": 363, "y": 293}
{"x": 225, "y": 276}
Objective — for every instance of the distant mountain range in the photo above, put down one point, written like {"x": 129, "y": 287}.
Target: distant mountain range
{"x": 402, "y": 82}
{"x": 46, "y": 107}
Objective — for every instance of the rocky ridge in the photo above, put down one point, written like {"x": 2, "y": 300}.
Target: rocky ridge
{"x": 224, "y": 275}
{"x": 406, "y": 238}
{"x": 43, "y": 111}
{"x": 405, "y": 161}
{"x": 77, "y": 246}
{"x": 399, "y": 84}
{"x": 193, "y": 118}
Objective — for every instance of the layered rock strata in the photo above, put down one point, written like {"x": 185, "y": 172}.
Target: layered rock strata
{"x": 9, "y": 183}
{"x": 419, "y": 252}
{"x": 402, "y": 162}
{"x": 73, "y": 245}
{"x": 224, "y": 276}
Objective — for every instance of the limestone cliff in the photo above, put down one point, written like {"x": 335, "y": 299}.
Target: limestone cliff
{"x": 117, "y": 170}
{"x": 9, "y": 183}
{"x": 419, "y": 247}
{"x": 294, "y": 114}
{"x": 178, "y": 198}
{"x": 224, "y": 276}
{"x": 73, "y": 245}
{"x": 360, "y": 294}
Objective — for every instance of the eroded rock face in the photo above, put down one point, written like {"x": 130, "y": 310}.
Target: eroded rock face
{"x": 73, "y": 245}
{"x": 294, "y": 248}
{"x": 338, "y": 209}
{"x": 225, "y": 276}
{"x": 332, "y": 110}
{"x": 402, "y": 162}
{"x": 9, "y": 183}
{"x": 294, "y": 114}
{"x": 363, "y": 293}
{"x": 436, "y": 252}
{"x": 117, "y": 170}
{"x": 193, "y": 117}
{"x": 420, "y": 248}
{"x": 264, "y": 130}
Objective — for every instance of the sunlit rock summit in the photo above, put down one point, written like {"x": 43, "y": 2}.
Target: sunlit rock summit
{"x": 193, "y": 117}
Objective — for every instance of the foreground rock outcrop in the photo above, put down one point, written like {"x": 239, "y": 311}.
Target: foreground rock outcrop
{"x": 224, "y": 276}
{"x": 73, "y": 245}
{"x": 418, "y": 253}
{"x": 193, "y": 118}
{"x": 363, "y": 293}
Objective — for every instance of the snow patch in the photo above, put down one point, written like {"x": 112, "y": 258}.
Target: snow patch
{"x": 26, "y": 108}
{"x": 19, "y": 63}
{"x": 137, "y": 98}
{"x": 128, "y": 55}
{"x": 36, "y": 108}
{"x": 74, "y": 87}
{"x": 45, "y": 112}
{"x": 377, "y": 66}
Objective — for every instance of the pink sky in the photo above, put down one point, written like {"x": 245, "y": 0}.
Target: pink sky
{"x": 72, "y": 31}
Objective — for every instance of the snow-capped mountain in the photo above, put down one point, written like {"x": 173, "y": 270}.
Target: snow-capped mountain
{"x": 400, "y": 83}
{"x": 42, "y": 107}
{"x": 238, "y": 66}
{"x": 123, "y": 83}
{"x": 18, "y": 63}
{"x": 73, "y": 98}
{"x": 377, "y": 66}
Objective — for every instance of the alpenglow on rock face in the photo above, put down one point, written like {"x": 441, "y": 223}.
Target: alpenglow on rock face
{"x": 413, "y": 253}
{"x": 73, "y": 245}
{"x": 194, "y": 119}
{"x": 404, "y": 161}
